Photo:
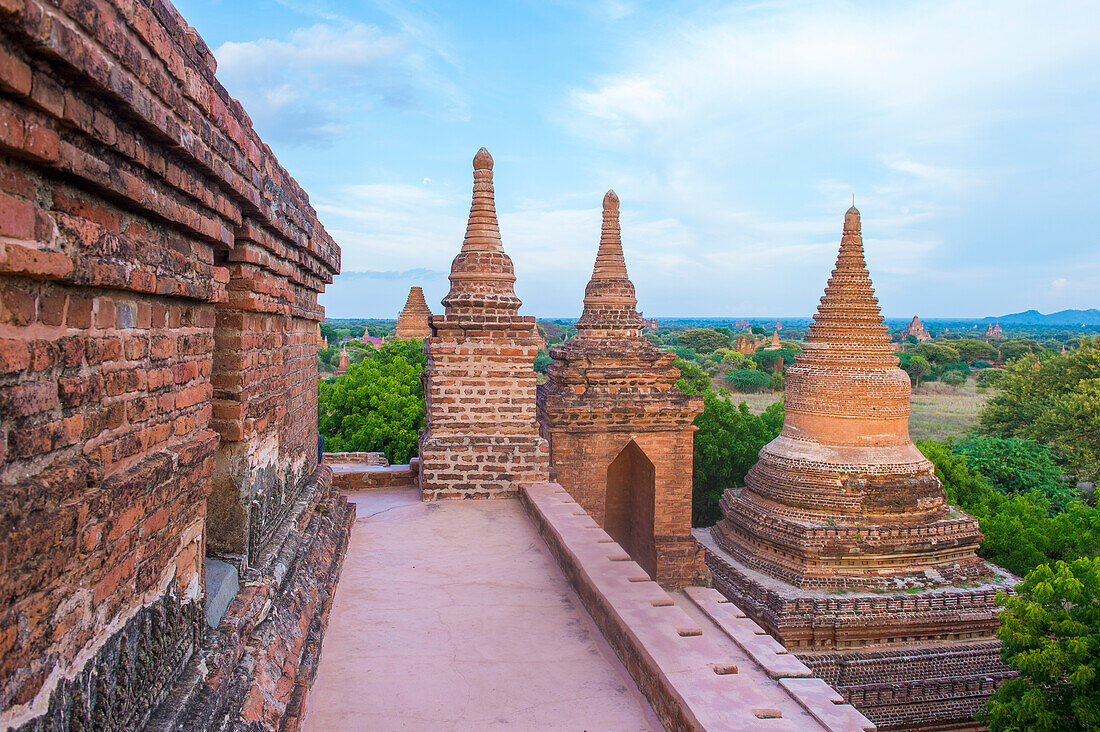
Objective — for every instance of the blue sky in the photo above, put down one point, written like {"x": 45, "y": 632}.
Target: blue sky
{"x": 734, "y": 133}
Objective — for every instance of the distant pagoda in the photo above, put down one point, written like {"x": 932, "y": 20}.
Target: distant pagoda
{"x": 842, "y": 545}
{"x": 916, "y": 329}
{"x": 412, "y": 322}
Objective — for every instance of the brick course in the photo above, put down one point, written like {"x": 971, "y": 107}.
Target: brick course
{"x": 159, "y": 274}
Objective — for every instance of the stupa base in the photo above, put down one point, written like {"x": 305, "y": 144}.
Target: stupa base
{"x": 924, "y": 660}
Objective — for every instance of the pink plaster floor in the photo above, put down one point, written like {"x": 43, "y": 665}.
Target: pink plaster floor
{"x": 452, "y": 615}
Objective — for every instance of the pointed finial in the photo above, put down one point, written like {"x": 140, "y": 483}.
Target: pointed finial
{"x": 611, "y": 201}
{"x": 483, "y": 160}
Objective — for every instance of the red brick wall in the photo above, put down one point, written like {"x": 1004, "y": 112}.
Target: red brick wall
{"x": 158, "y": 289}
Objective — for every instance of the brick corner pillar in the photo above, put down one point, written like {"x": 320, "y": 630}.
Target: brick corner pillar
{"x": 621, "y": 432}
{"x": 480, "y": 438}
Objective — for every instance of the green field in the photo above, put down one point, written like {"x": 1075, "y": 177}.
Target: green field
{"x": 939, "y": 411}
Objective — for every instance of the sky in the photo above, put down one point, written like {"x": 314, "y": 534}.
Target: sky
{"x": 735, "y": 134}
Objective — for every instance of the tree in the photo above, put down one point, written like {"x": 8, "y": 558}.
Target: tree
{"x": 738, "y": 360}
{"x": 1013, "y": 465}
{"x": 917, "y": 367}
{"x": 1055, "y": 401}
{"x": 953, "y": 378}
{"x": 1051, "y": 635}
{"x": 727, "y": 444}
{"x": 748, "y": 381}
{"x": 775, "y": 359}
{"x": 703, "y": 340}
{"x": 542, "y": 361}
{"x": 989, "y": 377}
{"x": 378, "y": 406}
{"x": 687, "y": 354}
{"x": 692, "y": 378}
{"x": 912, "y": 339}
{"x": 1012, "y": 350}
{"x": 973, "y": 350}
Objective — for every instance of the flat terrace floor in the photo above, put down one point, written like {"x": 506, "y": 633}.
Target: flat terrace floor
{"x": 453, "y": 615}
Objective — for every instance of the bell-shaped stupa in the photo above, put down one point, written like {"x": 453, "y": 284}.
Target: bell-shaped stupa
{"x": 621, "y": 431}
{"x": 841, "y": 543}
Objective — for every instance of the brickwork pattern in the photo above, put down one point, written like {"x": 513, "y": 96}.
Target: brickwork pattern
{"x": 480, "y": 438}
{"x": 159, "y": 274}
{"x": 610, "y": 391}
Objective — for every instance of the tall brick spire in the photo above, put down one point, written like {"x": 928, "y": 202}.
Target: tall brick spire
{"x": 610, "y": 307}
{"x": 482, "y": 277}
{"x": 413, "y": 320}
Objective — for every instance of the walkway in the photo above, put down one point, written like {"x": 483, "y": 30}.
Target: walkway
{"x": 452, "y": 615}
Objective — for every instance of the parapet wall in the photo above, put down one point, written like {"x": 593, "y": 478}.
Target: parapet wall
{"x": 159, "y": 274}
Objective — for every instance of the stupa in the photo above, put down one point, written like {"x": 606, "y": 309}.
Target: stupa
{"x": 342, "y": 364}
{"x": 412, "y": 321}
{"x": 620, "y": 430}
{"x": 480, "y": 438}
{"x": 842, "y": 545}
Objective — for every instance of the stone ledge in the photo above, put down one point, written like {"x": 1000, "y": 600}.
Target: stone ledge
{"x": 691, "y": 681}
{"x": 354, "y": 474}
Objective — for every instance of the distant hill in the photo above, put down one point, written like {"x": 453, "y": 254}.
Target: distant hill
{"x": 1062, "y": 317}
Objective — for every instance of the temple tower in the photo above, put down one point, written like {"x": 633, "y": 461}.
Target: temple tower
{"x": 412, "y": 322}
{"x": 841, "y": 543}
{"x": 619, "y": 429}
{"x": 480, "y": 438}
{"x": 342, "y": 364}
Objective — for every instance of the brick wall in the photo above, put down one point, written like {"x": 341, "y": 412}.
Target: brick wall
{"x": 158, "y": 297}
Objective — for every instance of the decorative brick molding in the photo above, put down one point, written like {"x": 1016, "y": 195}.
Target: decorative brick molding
{"x": 480, "y": 438}
{"x": 620, "y": 431}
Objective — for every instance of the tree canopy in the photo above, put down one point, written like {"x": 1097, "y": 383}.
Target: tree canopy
{"x": 703, "y": 340}
{"x": 378, "y": 406}
{"x": 1055, "y": 401}
{"x": 1051, "y": 635}
{"x": 692, "y": 378}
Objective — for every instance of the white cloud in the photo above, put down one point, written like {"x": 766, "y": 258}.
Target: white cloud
{"x": 305, "y": 88}
{"x": 1060, "y": 283}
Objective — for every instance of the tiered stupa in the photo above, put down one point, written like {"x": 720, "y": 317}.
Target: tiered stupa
{"x": 480, "y": 437}
{"x": 841, "y": 543}
{"x": 412, "y": 322}
{"x": 620, "y": 430}
{"x": 342, "y": 364}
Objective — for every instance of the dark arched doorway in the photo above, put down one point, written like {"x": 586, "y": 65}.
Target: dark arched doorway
{"x": 629, "y": 505}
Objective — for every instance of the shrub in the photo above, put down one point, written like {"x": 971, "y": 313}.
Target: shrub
{"x": 692, "y": 378}
{"x": 953, "y": 378}
{"x": 748, "y": 381}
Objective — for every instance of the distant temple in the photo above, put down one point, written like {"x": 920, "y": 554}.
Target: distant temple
{"x": 412, "y": 322}
{"x": 342, "y": 364}
{"x": 775, "y": 345}
{"x": 842, "y": 545}
{"x": 993, "y": 331}
{"x": 648, "y": 322}
{"x": 916, "y": 329}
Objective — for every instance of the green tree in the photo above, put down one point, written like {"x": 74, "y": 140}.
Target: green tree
{"x": 917, "y": 367}
{"x": 748, "y": 381}
{"x": 703, "y": 340}
{"x": 1013, "y": 465}
{"x": 737, "y": 360}
{"x": 1051, "y": 635}
{"x": 1055, "y": 401}
{"x": 542, "y": 361}
{"x": 1012, "y": 350}
{"x": 936, "y": 353}
{"x": 973, "y": 350}
{"x": 727, "y": 444}
{"x": 693, "y": 380}
{"x": 953, "y": 378}
{"x": 378, "y": 406}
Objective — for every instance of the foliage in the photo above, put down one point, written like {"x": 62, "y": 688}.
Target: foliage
{"x": 378, "y": 406}
{"x": 1051, "y": 635}
{"x": 981, "y": 364}
{"x": 1012, "y": 350}
{"x": 748, "y": 381}
{"x": 1022, "y": 530}
{"x": 953, "y": 378}
{"x": 1012, "y": 465}
{"x": 1055, "y": 401}
{"x": 989, "y": 377}
{"x": 542, "y": 361}
{"x": 738, "y": 360}
{"x": 912, "y": 339}
{"x": 973, "y": 350}
{"x": 703, "y": 340}
{"x": 775, "y": 359}
{"x": 687, "y": 354}
{"x": 727, "y": 444}
{"x": 692, "y": 378}
{"x": 917, "y": 367}
{"x": 758, "y": 330}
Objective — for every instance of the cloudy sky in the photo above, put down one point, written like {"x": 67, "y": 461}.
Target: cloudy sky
{"x": 735, "y": 135}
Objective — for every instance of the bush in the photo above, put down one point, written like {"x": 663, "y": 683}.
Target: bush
{"x": 542, "y": 361}
{"x": 953, "y": 378}
{"x": 981, "y": 364}
{"x": 1013, "y": 465}
{"x": 989, "y": 377}
{"x": 748, "y": 381}
{"x": 687, "y": 354}
{"x": 703, "y": 340}
{"x": 692, "y": 378}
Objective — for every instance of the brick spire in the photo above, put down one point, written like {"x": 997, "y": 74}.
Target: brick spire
{"x": 482, "y": 277}
{"x": 610, "y": 307}
{"x": 413, "y": 320}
